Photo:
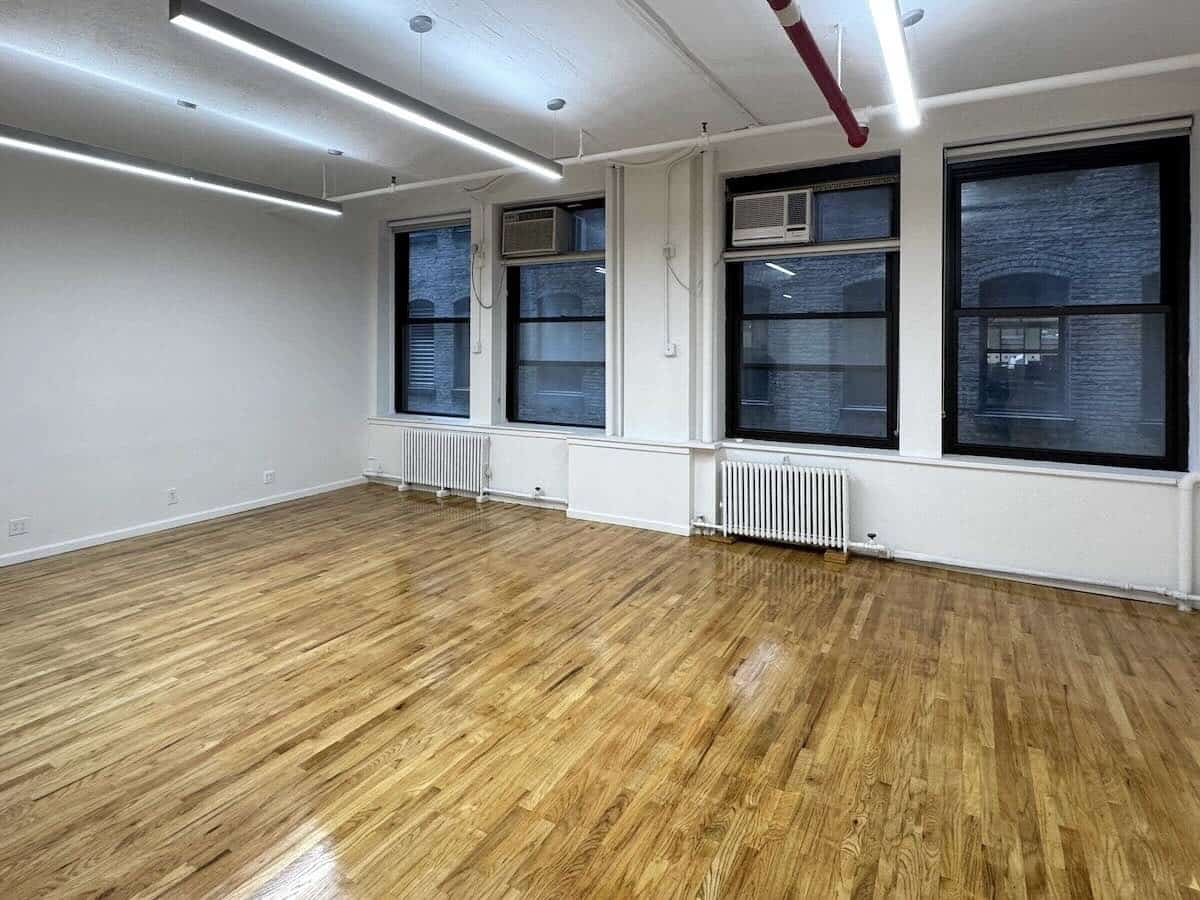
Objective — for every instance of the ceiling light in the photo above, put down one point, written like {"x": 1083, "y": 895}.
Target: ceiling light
{"x": 778, "y": 268}
{"x": 210, "y": 22}
{"x": 45, "y": 145}
{"x": 886, "y": 14}
{"x": 788, "y": 296}
{"x": 421, "y": 24}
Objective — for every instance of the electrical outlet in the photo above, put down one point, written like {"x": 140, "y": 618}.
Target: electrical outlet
{"x": 172, "y": 496}
{"x": 671, "y": 349}
{"x": 269, "y": 476}
{"x": 18, "y": 527}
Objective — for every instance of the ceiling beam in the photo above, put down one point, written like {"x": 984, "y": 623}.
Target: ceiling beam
{"x": 665, "y": 34}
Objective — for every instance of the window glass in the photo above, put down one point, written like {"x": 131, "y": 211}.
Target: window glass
{"x": 557, "y": 344}
{"x": 557, "y": 290}
{"x": 1074, "y": 383}
{"x": 437, "y": 370}
{"x": 811, "y": 355}
{"x": 847, "y": 282}
{"x": 1079, "y": 237}
{"x": 433, "y": 302}
{"x": 818, "y": 376}
{"x": 439, "y": 271}
{"x": 1068, "y": 304}
{"x": 588, "y": 229}
{"x": 855, "y": 214}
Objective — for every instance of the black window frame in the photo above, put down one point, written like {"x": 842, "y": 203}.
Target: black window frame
{"x": 1173, "y": 156}
{"x": 404, "y": 322}
{"x": 513, "y": 322}
{"x": 858, "y": 175}
{"x": 735, "y": 317}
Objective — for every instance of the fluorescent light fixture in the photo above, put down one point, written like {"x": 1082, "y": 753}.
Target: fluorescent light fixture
{"x": 788, "y": 296}
{"x": 778, "y": 268}
{"x": 217, "y": 25}
{"x": 600, "y": 270}
{"x": 886, "y": 14}
{"x": 58, "y": 148}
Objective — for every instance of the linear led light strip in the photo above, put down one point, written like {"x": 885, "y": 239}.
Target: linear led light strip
{"x": 890, "y": 29}
{"x": 59, "y": 148}
{"x": 217, "y": 25}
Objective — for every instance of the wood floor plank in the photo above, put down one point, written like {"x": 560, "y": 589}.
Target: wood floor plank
{"x": 367, "y": 694}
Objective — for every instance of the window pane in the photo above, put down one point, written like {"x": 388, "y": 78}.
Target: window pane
{"x": 588, "y": 229}
{"x": 439, "y": 272}
{"x": 850, "y": 282}
{"x": 854, "y": 215}
{"x": 1080, "y": 237}
{"x": 817, "y": 376}
{"x": 437, "y": 368}
{"x": 1079, "y": 383}
{"x": 561, "y": 342}
{"x": 561, "y": 394}
{"x": 562, "y": 289}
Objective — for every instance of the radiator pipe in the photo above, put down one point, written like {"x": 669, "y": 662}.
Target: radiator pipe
{"x": 802, "y": 39}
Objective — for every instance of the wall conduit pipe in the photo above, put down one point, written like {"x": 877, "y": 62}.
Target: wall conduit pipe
{"x": 802, "y": 39}
{"x": 1186, "y": 536}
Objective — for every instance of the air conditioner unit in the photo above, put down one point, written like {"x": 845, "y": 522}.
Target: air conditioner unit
{"x": 780, "y": 217}
{"x": 536, "y": 232}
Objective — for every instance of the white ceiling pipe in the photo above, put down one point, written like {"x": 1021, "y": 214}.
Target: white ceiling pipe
{"x": 960, "y": 98}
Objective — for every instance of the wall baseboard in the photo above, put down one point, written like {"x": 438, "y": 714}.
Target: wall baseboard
{"x": 630, "y": 522}
{"x": 120, "y": 534}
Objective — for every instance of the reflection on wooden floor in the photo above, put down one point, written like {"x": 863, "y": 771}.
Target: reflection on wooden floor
{"x": 368, "y": 694}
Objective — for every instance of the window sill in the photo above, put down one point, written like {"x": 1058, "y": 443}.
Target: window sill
{"x": 1011, "y": 466}
{"x": 557, "y": 432}
{"x": 587, "y": 436}
{"x": 417, "y": 418}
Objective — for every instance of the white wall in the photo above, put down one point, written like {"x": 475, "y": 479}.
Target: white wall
{"x": 1069, "y": 521}
{"x": 154, "y": 337}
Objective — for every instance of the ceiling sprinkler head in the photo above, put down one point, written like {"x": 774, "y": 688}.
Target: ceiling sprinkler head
{"x": 421, "y": 24}
{"x": 333, "y": 152}
{"x": 185, "y": 104}
{"x": 912, "y": 17}
{"x": 556, "y": 104}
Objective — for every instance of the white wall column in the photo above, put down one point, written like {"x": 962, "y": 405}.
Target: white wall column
{"x": 921, "y": 206}
{"x": 614, "y": 301}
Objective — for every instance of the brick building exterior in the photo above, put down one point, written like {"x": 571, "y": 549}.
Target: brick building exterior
{"x": 1075, "y": 239}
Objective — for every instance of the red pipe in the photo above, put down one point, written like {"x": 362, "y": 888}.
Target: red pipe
{"x": 802, "y": 40}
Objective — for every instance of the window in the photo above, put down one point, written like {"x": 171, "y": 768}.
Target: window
{"x": 811, "y": 333}
{"x": 433, "y": 319}
{"x": 556, "y": 343}
{"x": 1066, "y": 305}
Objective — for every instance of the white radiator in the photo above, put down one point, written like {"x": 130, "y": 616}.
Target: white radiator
{"x": 446, "y": 460}
{"x": 794, "y": 504}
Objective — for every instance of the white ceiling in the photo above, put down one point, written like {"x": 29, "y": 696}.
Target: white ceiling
{"x": 108, "y": 72}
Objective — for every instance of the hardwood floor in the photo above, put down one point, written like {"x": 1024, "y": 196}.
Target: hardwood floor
{"x": 368, "y": 694}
